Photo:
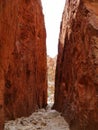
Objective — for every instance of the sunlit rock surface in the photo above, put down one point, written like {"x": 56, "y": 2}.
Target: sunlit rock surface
{"x": 76, "y": 87}
{"x": 23, "y": 82}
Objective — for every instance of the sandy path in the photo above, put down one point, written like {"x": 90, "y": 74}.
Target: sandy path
{"x": 40, "y": 120}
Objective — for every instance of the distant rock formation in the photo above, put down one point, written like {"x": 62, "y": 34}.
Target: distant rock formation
{"x": 23, "y": 82}
{"x": 51, "y": 66}
{"x": 76, "y": 87}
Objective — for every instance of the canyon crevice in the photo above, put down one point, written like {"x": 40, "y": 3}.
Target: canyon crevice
{"x": 23, "y": 62}
{"x": 23, "y": 80}
{"x": 76, "y": 89}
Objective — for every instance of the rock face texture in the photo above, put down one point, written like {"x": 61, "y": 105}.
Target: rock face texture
{"x": 23, "y": 82}
{"x": 76, "y": 82}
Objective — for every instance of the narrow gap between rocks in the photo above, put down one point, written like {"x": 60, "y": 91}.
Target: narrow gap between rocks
{"x": 52, "y": 10}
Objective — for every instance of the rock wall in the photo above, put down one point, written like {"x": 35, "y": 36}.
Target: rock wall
{"x": 23, "y": 82}
{"x": 76, "y": 94}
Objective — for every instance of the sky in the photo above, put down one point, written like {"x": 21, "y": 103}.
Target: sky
{"x": 52, "y": 10}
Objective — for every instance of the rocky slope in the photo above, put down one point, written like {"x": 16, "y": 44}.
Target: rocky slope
{"x": 40, "y": 120}
{"x": 76, "y": 87}
{"x": 22, "y": 58}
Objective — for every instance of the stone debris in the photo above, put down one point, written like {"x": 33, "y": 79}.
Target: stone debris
{"x": 40, "y": 120}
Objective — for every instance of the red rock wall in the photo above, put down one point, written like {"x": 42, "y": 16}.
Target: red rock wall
{"x": 76, "y": 86}
{"x": 23, "y": 84}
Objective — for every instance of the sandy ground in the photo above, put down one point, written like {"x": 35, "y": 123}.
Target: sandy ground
{"x": 40, "y": 120}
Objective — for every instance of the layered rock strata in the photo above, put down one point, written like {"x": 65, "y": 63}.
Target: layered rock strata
{"x": 76, "y": 82}
{"x": 23, "y": 82}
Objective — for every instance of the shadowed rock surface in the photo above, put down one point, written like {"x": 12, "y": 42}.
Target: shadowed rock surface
{"x": 23, "y": 83}
{"x": 76, "y": 82}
